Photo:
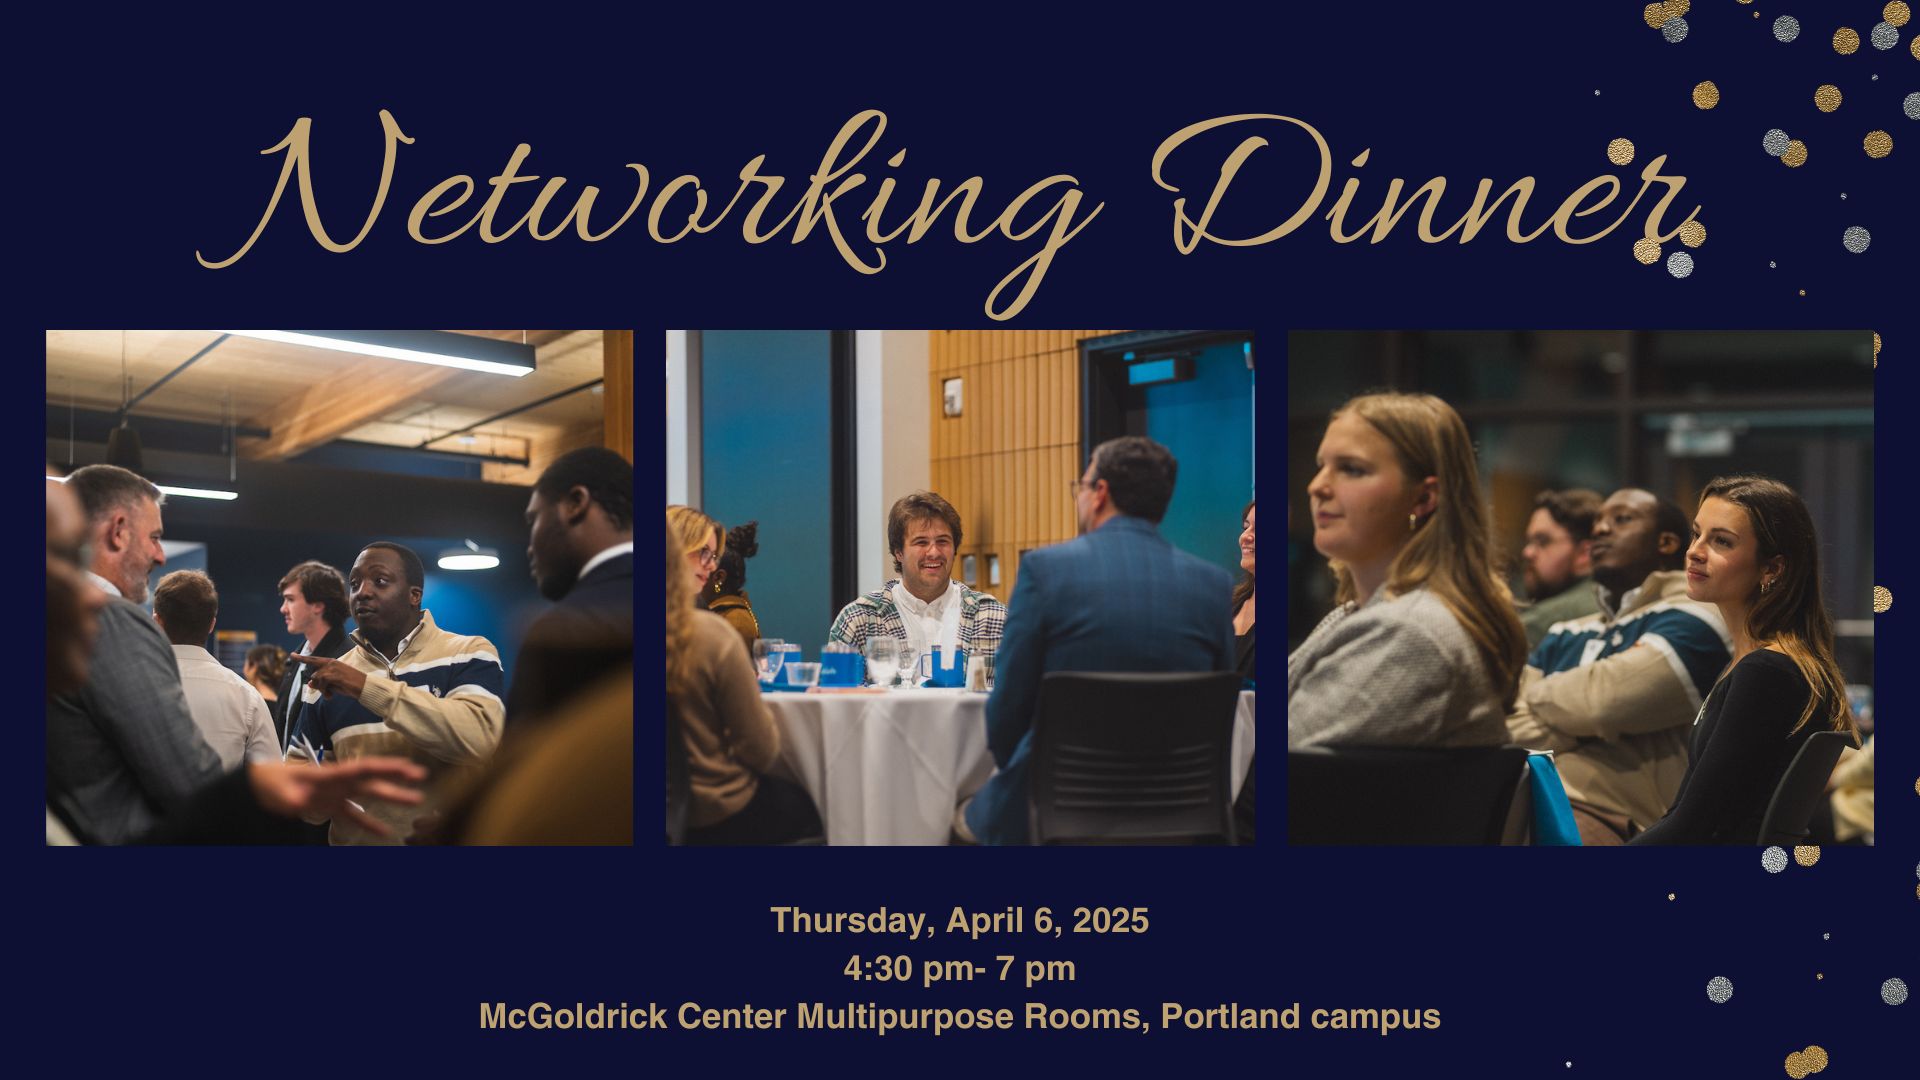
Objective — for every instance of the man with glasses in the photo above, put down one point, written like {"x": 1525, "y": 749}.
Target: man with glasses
{"x": 1119, "y": 598}
{"x": 1557, "y": 562}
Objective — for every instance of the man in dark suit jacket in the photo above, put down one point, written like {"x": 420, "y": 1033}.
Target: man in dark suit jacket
{"x": 313, "y": 601}
{"x": 1119, "y": 598}
{"x": 580, "y": 548}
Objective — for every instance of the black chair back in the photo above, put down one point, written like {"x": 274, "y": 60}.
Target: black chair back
{"x": 1134, "y": 758}
{"x": 1790, "y": 813}
{"x": 1402, "y": 795}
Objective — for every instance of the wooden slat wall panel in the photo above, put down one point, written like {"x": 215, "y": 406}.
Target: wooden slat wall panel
{"x": 1005, "y": 463}
{"x": 617, "y": 392}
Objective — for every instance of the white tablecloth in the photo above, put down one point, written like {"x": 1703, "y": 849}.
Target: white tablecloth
{"x": 889, "y": 768}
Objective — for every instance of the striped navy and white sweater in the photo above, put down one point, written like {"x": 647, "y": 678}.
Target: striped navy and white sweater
{"x": 437, "y": 702}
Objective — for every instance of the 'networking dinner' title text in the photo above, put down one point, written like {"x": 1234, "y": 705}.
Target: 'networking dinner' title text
{"x": 857, "y": 200}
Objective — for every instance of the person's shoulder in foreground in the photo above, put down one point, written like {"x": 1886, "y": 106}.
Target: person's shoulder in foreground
{"x": 1395, "y": 671}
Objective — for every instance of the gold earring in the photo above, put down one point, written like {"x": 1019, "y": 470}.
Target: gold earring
{"x": 1764, "y": 586}
{"x": 1413, "y": 522}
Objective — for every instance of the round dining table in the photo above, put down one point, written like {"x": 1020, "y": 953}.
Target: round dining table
{"x": 889, "y": 767}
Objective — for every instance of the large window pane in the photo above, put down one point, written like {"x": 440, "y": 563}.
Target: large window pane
{"x": 766, "y": 416}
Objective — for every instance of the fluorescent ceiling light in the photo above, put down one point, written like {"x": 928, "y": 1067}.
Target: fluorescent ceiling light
{"x": 183, "y": 492}
{"x": 198, "y": 493}
{"x": 418, "y": 346}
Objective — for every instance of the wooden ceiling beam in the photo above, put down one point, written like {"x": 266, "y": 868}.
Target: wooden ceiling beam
{"x": 347, "y": 397}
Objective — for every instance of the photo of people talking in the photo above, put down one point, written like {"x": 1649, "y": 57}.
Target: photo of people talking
{"x": 339, "y": 587}
{"x": 960, "y": 587}
{"x": 1580, "y": 588}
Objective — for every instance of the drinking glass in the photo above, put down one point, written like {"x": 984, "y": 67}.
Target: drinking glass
{"x": 883, "y": 659}
{"x": 767, "y": 657}
{"x": 790, "y": 652}
{"x": 803, "y": 672}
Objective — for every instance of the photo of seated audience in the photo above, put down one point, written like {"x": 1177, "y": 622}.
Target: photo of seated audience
{"x": 339, "y": 587}
{"x": 1678, "y": 523}
{"x": 1002, "y": 587}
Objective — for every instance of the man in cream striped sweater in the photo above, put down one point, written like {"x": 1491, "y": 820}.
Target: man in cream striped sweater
{"x": 405, "y": 689}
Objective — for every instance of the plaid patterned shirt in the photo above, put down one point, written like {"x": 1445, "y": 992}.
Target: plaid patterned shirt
{"x": 981, "y": 620}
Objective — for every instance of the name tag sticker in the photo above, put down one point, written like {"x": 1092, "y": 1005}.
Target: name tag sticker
{"x": 1592, "y": 652}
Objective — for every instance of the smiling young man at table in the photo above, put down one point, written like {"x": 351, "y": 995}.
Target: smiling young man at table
{"x": 406, "y": 689}
{"x": 1118, "y": 598}
{"x": 925, "y": 606}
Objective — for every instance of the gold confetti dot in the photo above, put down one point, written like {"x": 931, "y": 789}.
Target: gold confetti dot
{"x": 1647, "y": 250}
{"x": 1677, "y": 8}
{"x": 1796, "y": 154}
{"x": 1806, "y": 1062}
{"x": 1882, "y": 598}
{"x": 1803, "y": 292}
{"x": 1693, "y": 234}
{"x": 1826, "y": 98}
{"x": 1914, "y": 46}
{"x": 1878, "y": 144}
{"x": 1620, "y": 151}
{"x": 1896, "y": 13}
{"x": 1916, "y": 787}
{"x": 1655, "y": 14}
{"x": 1806, "y": 854}
{"x": 1876, "y": 361}
{"x": 1846, "y": 41}
{"x": 1817, "y": 975}
{"x": 1706, "y": 95}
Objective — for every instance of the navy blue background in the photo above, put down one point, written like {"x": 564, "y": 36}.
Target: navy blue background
{"x": 134, "y": 152}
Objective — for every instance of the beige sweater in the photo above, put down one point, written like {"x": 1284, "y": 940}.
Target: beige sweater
{"x": 731, "y": 737}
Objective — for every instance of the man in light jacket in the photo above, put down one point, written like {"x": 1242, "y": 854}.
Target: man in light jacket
{"x": 406, "y": 689}
{"x": 1615, "y": 694}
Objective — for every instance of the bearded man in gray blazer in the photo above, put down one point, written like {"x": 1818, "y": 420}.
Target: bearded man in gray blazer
{"x": 123, "y": 750}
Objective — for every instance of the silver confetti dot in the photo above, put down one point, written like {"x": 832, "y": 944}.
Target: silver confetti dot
{"x": 1719, "y": 989}
{"x": 1679, "y": 264}
{"x": 1893, "y": 991}
{"x": 1884, "y": 37}
{"x": 1775, "y": 142}
{"x": 1674, "y": 30}
{"x": 1911, "y": 106}
{"x": 1856, "y": 239}
{"x": 1774, "y": 859}
{"x": 1786, "y": 28}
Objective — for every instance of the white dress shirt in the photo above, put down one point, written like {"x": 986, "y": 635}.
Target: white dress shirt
{"x": 930, "y": 623}
{"x": 625, "y": 547}
{"x": 231, "y": 715}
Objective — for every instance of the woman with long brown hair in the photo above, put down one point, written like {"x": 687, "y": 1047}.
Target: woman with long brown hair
{"x": 1243, "y": 599}
{"x": 264, "y": 667}
{"x": 1755, "y": 557}
{"x": 1423, "y": 647}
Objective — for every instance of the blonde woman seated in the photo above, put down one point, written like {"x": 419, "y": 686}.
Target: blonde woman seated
{"x": 714, "y": 692}
{"x": 1423, "y": 647}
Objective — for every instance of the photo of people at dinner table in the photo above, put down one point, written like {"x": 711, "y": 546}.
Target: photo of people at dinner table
{"x": 959, "y": 587}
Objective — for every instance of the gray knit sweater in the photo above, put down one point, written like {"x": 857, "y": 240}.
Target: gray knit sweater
{"x": 1398, "y": 671}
